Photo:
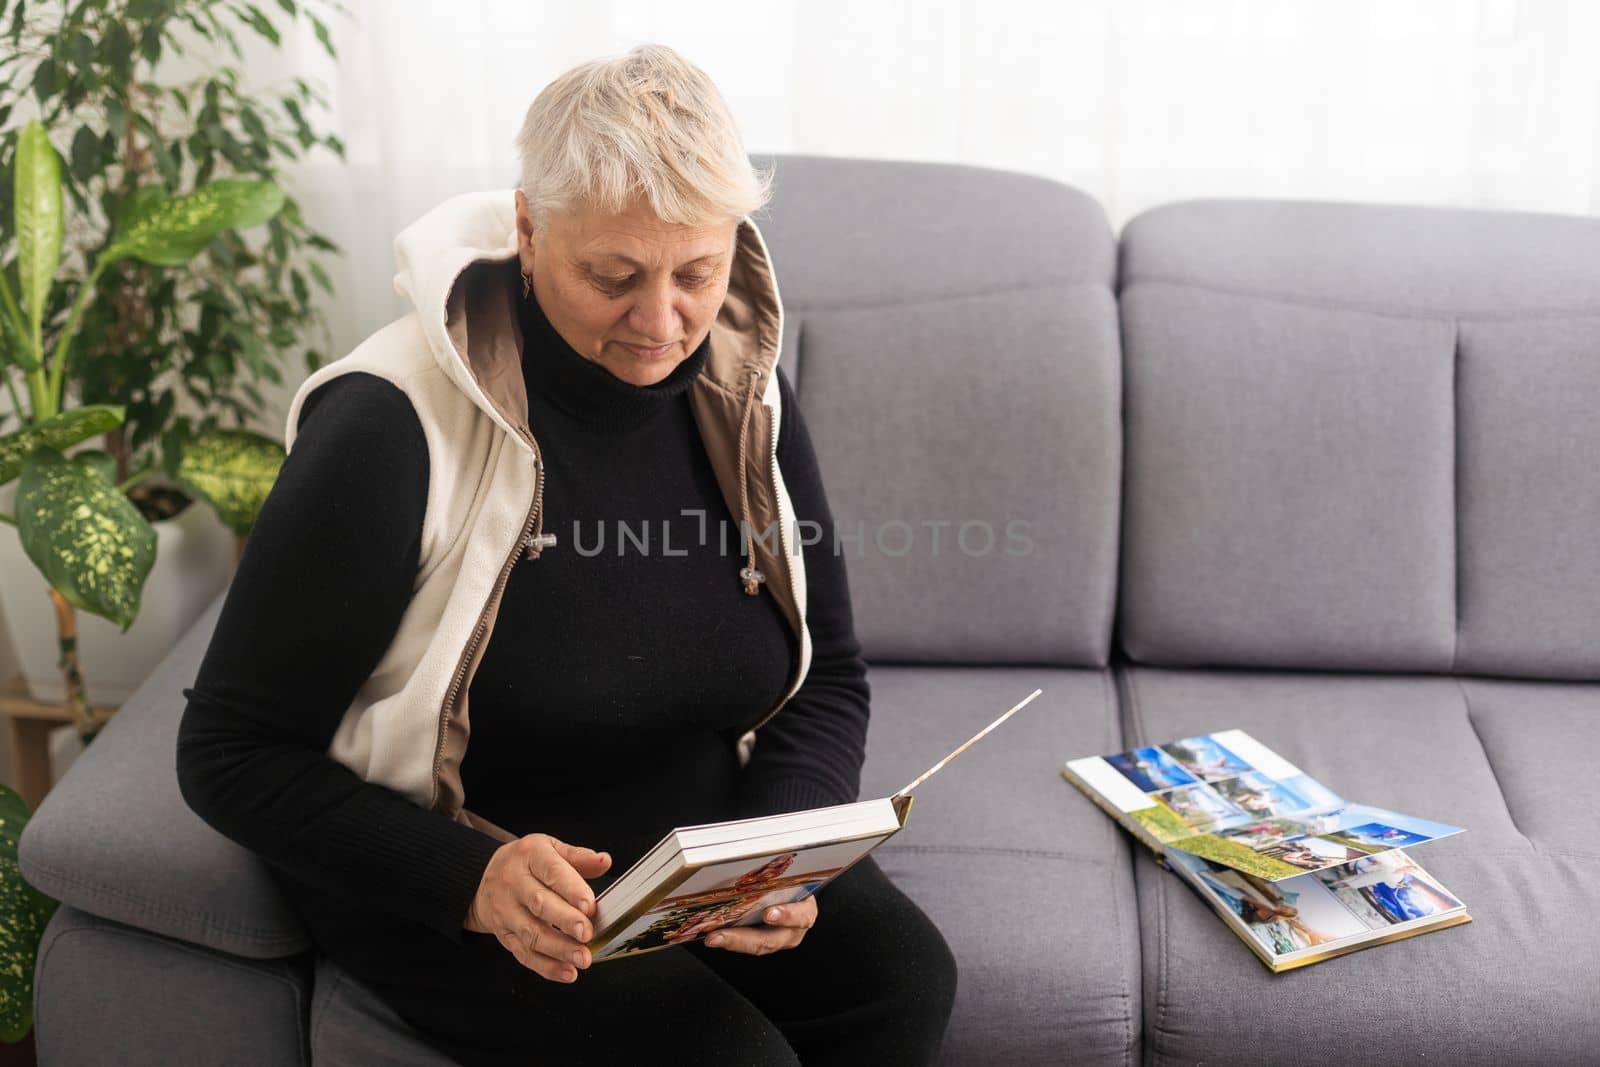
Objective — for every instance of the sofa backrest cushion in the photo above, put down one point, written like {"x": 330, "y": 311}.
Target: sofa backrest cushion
{"x": 1361, "y": 437}
{"x": 952, "y": 334}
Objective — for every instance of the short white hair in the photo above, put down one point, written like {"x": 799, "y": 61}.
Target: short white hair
{"x": 648, "y": 122}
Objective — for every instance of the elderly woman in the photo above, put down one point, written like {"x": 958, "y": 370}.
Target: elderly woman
{"x": 565, "y": 492}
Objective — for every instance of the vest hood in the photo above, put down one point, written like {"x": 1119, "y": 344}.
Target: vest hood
{"x": 457, "y": 265}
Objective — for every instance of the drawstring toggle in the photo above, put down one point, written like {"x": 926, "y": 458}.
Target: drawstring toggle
{"x": 537, "y": 543}
{"x": 752, "y": 580}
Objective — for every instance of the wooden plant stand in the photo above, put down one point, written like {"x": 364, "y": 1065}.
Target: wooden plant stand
{"x": 30, "y": 723}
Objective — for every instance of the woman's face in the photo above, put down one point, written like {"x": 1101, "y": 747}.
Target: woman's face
{"x": 628, "y": 291}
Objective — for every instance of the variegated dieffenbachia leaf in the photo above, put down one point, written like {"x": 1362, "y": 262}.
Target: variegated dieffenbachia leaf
{"x": 24, "y": 911}
{"x": 87, "y": 539}
{"x": 99, "y": 460}
{"x": 137, "y": 203}
{"x": 171, "y": 232}
{"x": 38, "y": 218}
{"x": 234, "y": 470}
{"x": 60, "y": 433}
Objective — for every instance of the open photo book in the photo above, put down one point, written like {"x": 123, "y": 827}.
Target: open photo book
{"x": 701, "y": 878}
{"x": 1298, "y": 872}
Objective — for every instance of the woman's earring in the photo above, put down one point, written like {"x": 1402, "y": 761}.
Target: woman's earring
{"x": 527, "y": 284}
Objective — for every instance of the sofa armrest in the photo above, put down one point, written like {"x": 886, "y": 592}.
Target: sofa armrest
{"x": 107, "y": 993}
{"x": 116, "y": 839}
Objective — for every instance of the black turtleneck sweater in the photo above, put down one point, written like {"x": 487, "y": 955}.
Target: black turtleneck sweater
{"x": 621, "y": 666}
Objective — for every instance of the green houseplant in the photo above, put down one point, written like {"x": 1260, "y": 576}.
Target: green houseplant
{"x": 158, "y": 290}
{"x": 143, "y": 100}
{"x": 77, "y": 525}
{"x": 76, "y": 522}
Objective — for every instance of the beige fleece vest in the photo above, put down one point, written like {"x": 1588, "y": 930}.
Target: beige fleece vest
{"x": 457, "y": 357}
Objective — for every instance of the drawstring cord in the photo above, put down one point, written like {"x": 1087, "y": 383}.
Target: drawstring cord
{"x": 538, "y": 540}
{"x": 750, "y": 574}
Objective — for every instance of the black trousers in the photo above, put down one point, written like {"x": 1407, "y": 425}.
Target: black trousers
{"x": 872, "y": 983}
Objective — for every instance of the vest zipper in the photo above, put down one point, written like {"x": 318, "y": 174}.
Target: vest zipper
{"x": 777, "y": 497}
{"x": 788, "y": 566}
{"x": 529, "y": 542}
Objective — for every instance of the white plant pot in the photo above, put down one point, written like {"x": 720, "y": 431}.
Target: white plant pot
{"x": 66, "y": 745}
{"x": 194, "y": 564}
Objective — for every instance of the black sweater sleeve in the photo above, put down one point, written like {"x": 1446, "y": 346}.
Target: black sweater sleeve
{"x": 811, "y": 752}
{"x": 318, "y": 596}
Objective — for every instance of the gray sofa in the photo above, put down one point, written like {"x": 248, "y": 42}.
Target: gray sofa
{"x": 1329, "y": 473}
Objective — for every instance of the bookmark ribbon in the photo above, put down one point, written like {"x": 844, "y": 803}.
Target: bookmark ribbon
{"x": 968, "y": 743}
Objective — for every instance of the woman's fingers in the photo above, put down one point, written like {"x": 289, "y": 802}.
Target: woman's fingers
{"x": 549, "y": 907}
{"x": 573, "y": 900}
{"x": 533, "y": 898}
{"x": 545, "y": 966}
{"x": 786, "y": 927}
{"x": 803, "y": 914}
{"x": 543, "y": 936}
{"x": 541, "y": 947}
{"x": 756, "y": 940}
{"x": 586, "y": 861}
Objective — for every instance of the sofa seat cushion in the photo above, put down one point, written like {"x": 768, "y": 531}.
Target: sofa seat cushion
{"x": 115, "y": 838}
{"x": 1516, "y": 985}
{"x": 1033, "y": 893}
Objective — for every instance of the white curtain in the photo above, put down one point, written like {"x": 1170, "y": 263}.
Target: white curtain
{"x": 1476, "y": 103}
{"x": 1482, "y": 103}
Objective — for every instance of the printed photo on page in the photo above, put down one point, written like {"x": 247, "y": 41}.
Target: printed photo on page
{"x": 1332, "y": 907}
{"x": 1314, "y": 841}
{"x": 1228, "y": 798}
{"x": 730, "y": 894}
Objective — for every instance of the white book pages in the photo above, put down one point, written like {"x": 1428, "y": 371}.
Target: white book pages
{"x": 741, "y": 829}
{"x": 717, "y": 842}
{"x": 881, "y": 819}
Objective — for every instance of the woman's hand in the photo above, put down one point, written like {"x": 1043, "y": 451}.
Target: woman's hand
{"x": 786, "y": 927}
{"x": 534, "y": 900}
